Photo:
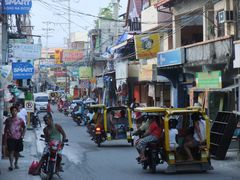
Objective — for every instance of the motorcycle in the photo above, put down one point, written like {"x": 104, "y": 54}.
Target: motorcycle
{"x": 51, "y": 164}
{"x": 99, "y": 135}
{"x": 35, "y": 120}
{"x": 78, "y": 118}
{"x": 153, "y": 154}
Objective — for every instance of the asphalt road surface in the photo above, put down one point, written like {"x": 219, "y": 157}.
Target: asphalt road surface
{"x": 116, "y": 159}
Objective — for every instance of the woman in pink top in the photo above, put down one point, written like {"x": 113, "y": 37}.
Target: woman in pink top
{"x": 14, "y": 130}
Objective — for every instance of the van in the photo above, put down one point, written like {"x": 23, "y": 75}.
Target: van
{"x": 41, "y": 101}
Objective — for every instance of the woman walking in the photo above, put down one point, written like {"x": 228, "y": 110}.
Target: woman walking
{"x": 14, "y": 131}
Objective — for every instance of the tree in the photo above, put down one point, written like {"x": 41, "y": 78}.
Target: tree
{"x": 105, "y": 13}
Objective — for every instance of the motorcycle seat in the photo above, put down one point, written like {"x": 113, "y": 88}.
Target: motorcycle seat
{"x": 154, "y": 144}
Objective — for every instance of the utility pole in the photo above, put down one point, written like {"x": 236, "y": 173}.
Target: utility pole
{"x": 69, "y": 24}
{"x": 3, "y": 57}
{"x": 47, "y": 30}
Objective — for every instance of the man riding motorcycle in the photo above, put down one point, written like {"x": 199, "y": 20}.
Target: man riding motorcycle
{"x": 51, "y": 132}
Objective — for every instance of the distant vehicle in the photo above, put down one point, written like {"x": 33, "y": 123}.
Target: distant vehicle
{"x": 41, "y": 101}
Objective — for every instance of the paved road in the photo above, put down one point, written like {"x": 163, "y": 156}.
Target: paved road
{"x": 116, "y": 160}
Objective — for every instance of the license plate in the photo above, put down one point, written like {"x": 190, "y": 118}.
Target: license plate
{"x": 98, "y": 133}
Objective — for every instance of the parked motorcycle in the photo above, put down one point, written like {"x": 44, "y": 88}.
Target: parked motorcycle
{"x": 35, "y": 120}
{"x": 51, "y": 164}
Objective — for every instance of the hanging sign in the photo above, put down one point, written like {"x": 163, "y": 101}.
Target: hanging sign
{"x": 16, "y": 6}
{"x": 22, "y": 70}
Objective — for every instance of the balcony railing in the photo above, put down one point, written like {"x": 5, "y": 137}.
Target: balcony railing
{"x": 210, "y": 52}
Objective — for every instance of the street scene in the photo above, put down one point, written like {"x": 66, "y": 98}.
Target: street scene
{"x": 119, "y": 89}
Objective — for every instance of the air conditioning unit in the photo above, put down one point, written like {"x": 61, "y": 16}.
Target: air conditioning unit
{"x": 225, "y": 16}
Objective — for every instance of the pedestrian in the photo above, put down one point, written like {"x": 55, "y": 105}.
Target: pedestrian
{"x": 22, "y": 113}
{"x": 49, "y": 109}
{"x": 14, "y": 131}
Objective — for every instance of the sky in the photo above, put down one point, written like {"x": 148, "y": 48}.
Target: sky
{"x": 56, "y": 11}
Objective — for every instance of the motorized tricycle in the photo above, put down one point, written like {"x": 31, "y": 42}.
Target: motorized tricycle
{"x": 174, "y": 155}
{"x": 116, "y": 124}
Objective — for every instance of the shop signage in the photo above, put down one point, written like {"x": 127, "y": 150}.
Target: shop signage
{"x": 18, "y": 51}
{"x": 146, "y": 71}
{"x": 22, "y": 70}
{"x": 47, "y": 63}
{"x": 170, "y": 58}
{"x": 85, "y": 72}
{"x": 16, "y": 6}
{"x": 147, "y": 46}
{"x": 211, "y": 79}
{"x": 72, "y": 56}
{"x": 236, "y": 62}
{"x": 60, "y": 73}
{"x": 58, "y": 53}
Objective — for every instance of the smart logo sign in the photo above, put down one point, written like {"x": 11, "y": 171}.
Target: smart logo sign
{"x": 22, "y": 70}
{"x": 16, "y": 6}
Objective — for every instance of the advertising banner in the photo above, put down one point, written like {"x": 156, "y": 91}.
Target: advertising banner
{"x": 58, "y": 56}
{"x": 46, "y": 63}
{"x": 211, "y": 79}
{"x": 72, "y": 56}
{"x": 18, "y": 51}
{"x": 22, "y": 70}
{"x": 85, "y": 72}
{"x": 16, "y": 6}
{"x": 147, "y": 46}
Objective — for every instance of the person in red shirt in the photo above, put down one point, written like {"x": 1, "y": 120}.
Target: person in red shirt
{"x": 152, "y": 134}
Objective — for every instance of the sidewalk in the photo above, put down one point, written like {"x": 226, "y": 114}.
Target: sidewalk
{"x": 30, "y": 155}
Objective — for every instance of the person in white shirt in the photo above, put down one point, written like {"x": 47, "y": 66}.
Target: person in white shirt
{"x": 199, "y": 136}
{"x": 173, "y": 132}
{"x": 22, "y": 113}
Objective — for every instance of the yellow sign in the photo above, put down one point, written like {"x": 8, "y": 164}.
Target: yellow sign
{"x": 58, "y": 56}
{"x": 147, "y": 46}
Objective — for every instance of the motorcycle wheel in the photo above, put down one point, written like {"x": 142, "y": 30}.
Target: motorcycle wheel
{"x": 153, "y": 168}
{"x": 144, "y": 165}
{"x": 98, "y": 141}
{"x": 50, "y": 170}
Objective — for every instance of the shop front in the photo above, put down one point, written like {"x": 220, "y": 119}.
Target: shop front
{"x": 169, "y": 65}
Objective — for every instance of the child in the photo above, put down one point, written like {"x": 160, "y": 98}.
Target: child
{"x": 173, "y": 132}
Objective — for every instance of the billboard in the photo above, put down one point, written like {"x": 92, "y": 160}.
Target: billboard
{"x": 85, "y": 72}
{"x": 147, "y": 46}
{"x": 72, "y": 56}
{"x": 16, "y": 6}
{"x": 19, "y": 51}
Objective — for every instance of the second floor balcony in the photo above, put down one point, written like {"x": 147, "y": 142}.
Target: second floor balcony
{"x": 215, "y": 51}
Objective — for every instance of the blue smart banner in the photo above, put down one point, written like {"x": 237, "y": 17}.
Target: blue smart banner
{"x": 22, "y": 70}
{"x": 16, "y": 6}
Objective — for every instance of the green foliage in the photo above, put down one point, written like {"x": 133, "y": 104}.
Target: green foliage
{"x": 106, "y": 12}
